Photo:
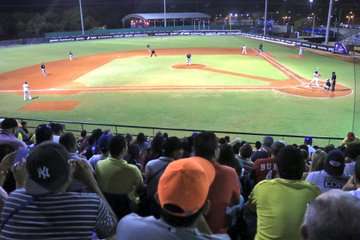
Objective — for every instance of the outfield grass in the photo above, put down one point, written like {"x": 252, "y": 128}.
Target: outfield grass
{"x": 159, "y": 71}
{"x": 260, "y": 111}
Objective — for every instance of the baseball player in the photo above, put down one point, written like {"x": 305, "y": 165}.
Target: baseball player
{"x": 26, "y": 90}
{"x": 333, "y": 81}
{"x": 188, "y": 59}
{"x": 71, "y": 56}
{"x": 261, "y": 49}
{"x": 301, "y": 51}
{"x": 152, "y": 51}
{"x": 316, "y": 78}
{"x": 43, "y": 69}
{"x": 327, "y": 85}
{"x": 243, "y": 50}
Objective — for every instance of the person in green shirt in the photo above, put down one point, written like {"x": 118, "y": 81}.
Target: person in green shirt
{"x": 280, "y": 203}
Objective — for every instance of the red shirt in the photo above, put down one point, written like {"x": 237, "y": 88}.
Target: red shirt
{"x": 263, "y": 166}
{"x": 224, "y": 192}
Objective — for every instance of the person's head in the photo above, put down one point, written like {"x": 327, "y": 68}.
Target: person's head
{"x": 227, "y": 156}
{"x": 318, "y": 160}
{"x": 9, "y": 124}
{"x": 83, "y": 133}
{"x": 236, "y": 147}
{"x": 68, "y": 140}
{"x": 183, "y": 191}
{"x": 276, "y": 147}
{"x": 246, "y": 151}
{"x": 173, "y": 148}
{"x": 43, "y": 133}
{"x": 206, "y": 145}
{"x": 157, "y": 144}
{"x": 25, "y": 82}
{"x": 268, "y": 141}
{"x": 333, "y": 73}
{"x": 333, "y": 215}
{"x": 57, "y": 128}
{"x": 350, "y": 136}
{"x": 329, "y": 148}
{"x": 133, "y": 152}
{"x": 118, "y": 146}
{"x": 23, "y": 124}
{"x": 104, "y": 142}
{"x": 48, "y": 169}
{"x": 140, "y": 139}
{"x": 290, "y": 163}
{"x": 257, "y": 145}
{"x": 353, "y": 150}
{"x": 308, "y": 140}
{"x": 316, "y": 72}
{"x": 128, "y": 138}
{"x": 335, "y": 163}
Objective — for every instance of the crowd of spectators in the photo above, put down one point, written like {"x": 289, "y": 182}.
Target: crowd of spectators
{"x": 102, "y": 185}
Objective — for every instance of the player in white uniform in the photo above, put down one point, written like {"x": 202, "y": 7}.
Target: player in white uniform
{"x": 188, "y": 59}
{"x": 71, "y": 56}
{"x": 243, "y": 50}
{"x": 26, "y": 90}
{"x": 301, "y": 51}
{"x": 316, "y": 79}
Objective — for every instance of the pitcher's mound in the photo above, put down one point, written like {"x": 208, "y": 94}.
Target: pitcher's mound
{"x": 186, "y": 66}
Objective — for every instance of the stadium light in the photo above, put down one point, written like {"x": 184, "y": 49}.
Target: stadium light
{"x": 81, "y": 18}
{"x": 265, "y": 16}
{"x": 329, "y": 21}
{"x": 165, "y": 18}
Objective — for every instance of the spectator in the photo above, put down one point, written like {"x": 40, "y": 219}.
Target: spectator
{"x": 227, "y": 158}
{"x": 156, "y": 147}
{"x": 258, "y": 145}
{"x": 133, "y": 156}
{"x": 329, "y": 148}
{"x": 332, "y": 216}
{"x": 352, "y": 152}
{"x": 332, "y": 177}
{"x": 225, "y": 190}
{"x": 48, "y": 174}
{"x": 350, "y": 138}
{"x": 58, "y": 130}
{"x": 318, "y": 160}
{"x": 114, "y": 170}
{"x": 82, "y": 139}
{"x": 68, "y": 140}
{"x": 7, "y": 134}
{"x": 266, "y": 168}
{"x": 245, "y": 162}
{"x": 280, "y": 203}
{"x": 267, "y": 143}
{"x": 155, "y": 168}
{"x": 103, "y": 145}
{"x": 353, "y": 185}
{"x": 142, "y": 142}
{"x": 43, "y": 133}
{"x": 182, "y": 194}
{"x": 23, "y": 133}
{"x": 308, "y": 141}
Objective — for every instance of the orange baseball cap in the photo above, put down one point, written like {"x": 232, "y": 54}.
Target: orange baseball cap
{"x": 185, "y": 183}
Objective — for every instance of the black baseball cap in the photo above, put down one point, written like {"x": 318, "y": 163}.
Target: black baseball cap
{"x": 8, "y": 123}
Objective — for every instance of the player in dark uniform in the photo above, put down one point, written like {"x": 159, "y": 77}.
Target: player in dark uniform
{"x": 152, "y": 51}
{"x": 261, "y": 49}
{"x": 327, "y": 85}
{"x": 333, "y": 81}
{"x": 43, "y": 69}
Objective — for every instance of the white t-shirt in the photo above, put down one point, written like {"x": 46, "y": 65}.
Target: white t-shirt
{"x": 325, "y": 182}
{"x": 25, "y": 87}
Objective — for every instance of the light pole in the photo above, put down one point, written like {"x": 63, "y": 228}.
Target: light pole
{"x": 81, "y": 18}
{"x": 165, "y": 18}
{"x": 265, "y": 16}
{"x": 329, "y": 21}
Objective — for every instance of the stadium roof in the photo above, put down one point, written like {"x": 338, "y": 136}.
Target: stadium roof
{"x": 158, "y": 16}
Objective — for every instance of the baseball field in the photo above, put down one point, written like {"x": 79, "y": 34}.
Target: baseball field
{"x": 115, "y": 81}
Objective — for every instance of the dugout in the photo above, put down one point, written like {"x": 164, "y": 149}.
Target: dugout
{"x": 178, "y": 19}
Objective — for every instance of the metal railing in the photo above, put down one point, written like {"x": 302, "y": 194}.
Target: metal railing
{"x": 78, "y": 126}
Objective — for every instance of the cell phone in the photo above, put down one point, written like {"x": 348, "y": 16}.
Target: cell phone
{"x": 20, "y": 154}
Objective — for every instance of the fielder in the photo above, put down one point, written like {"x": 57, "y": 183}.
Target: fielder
{"x": 316, "y": 79}
{"x": 43, "y": 70}
{"x": 71, "y": 56}
{"x": 243, "y": 50}
{"x": 333, "y": 81}
{"x": 261, "y": 49}
{"x": 301, "y": 51}
{"x": 152, "y": 51}
{"x": 327, "y": 85}
{"x": 188, "y": 59}
{"x": 26, "y": 90}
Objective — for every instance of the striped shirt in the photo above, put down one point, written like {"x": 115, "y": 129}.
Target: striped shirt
{"x": 55, "y": 216}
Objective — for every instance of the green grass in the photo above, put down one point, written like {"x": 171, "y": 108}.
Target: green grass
{"x": 159, "y": 71}
{"x": 260, "y": 111}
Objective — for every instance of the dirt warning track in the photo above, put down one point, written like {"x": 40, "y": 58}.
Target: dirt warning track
{"x": 63, "y": 73}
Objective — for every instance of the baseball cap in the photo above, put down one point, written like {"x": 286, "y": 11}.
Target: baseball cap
{"x": 8, "y": 123}
{"x": 335, "y": 163}
{"x": 185, "y": 183}
{"x": 48, "y": 168}
{"x": 104, "y": 141}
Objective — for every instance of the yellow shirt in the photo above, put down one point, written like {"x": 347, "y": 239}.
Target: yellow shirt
{"x": 280, "y": 207}
{"x": 118, "y": 177}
